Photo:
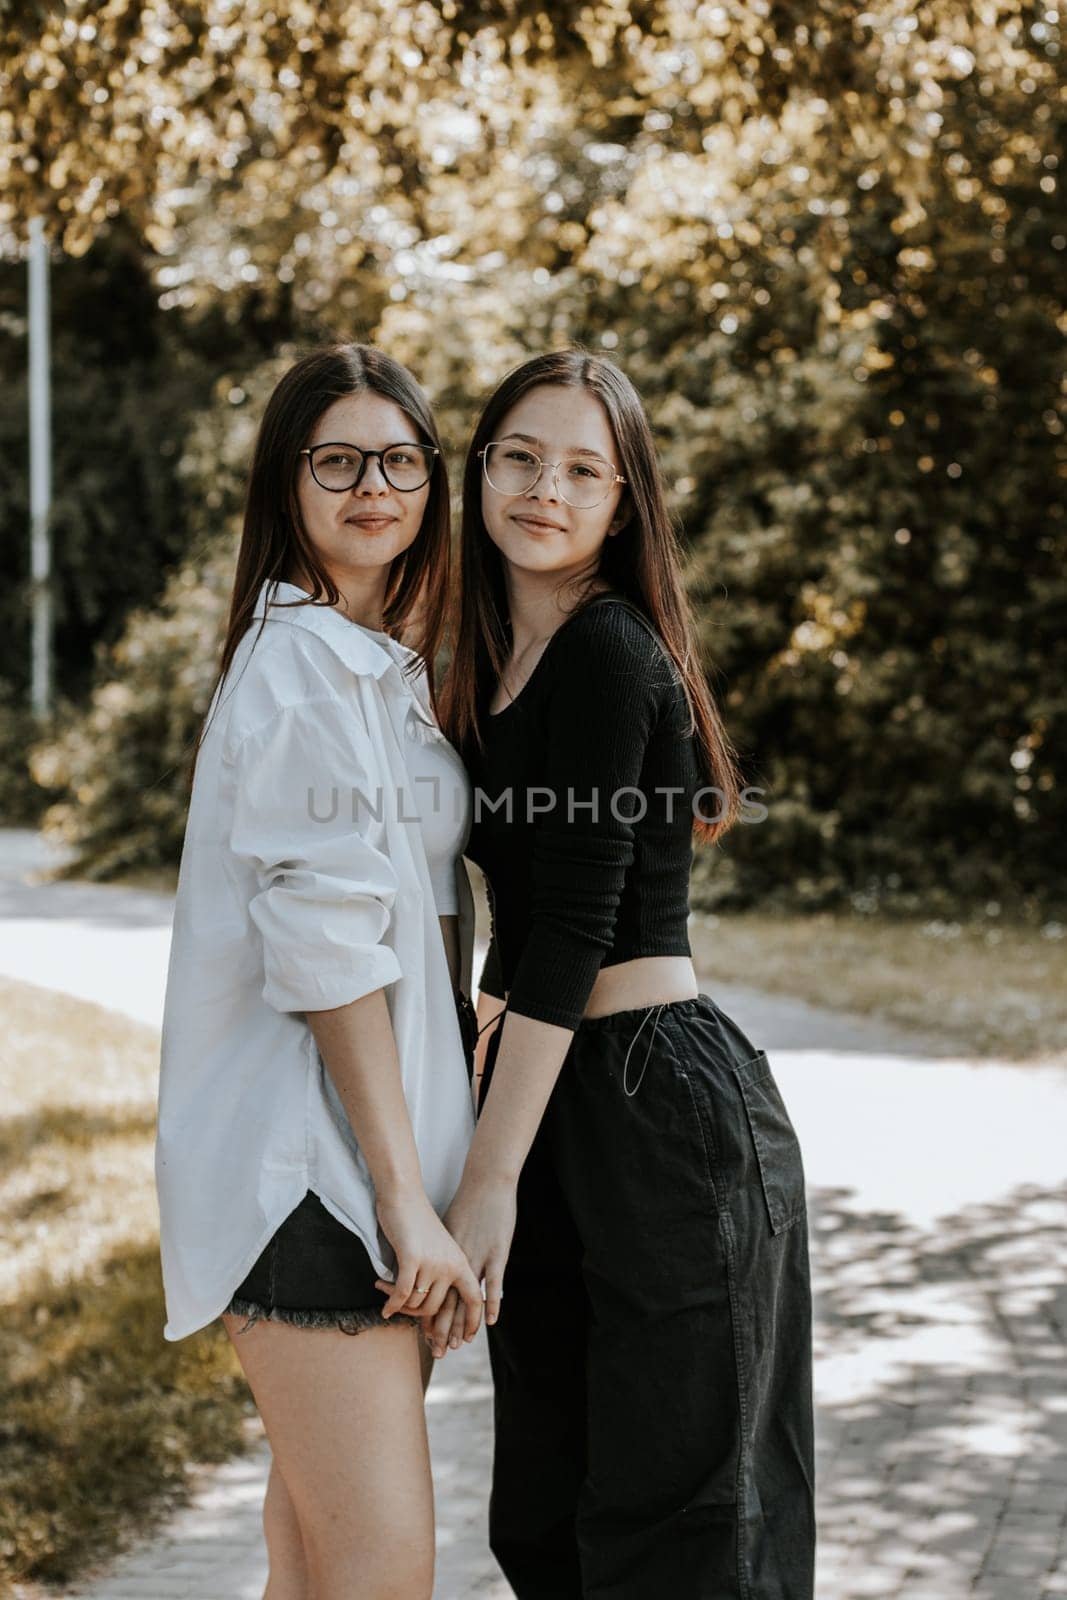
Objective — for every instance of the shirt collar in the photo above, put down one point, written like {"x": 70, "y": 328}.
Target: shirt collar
{"x": 363, "y": 650}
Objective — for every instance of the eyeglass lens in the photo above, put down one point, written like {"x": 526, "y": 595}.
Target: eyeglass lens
{"x": 583, "y": 481}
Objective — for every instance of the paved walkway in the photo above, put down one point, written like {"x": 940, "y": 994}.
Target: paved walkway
{"x": 938, "y": 1200}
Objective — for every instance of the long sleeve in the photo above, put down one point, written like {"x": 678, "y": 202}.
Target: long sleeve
{"x": 602, "y": 707}
{"x": 305, "y": 796}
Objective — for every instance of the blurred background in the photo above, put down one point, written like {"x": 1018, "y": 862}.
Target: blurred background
{"x": 827, "y": 242}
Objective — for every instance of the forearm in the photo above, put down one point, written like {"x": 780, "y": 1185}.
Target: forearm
{"x": 528, "y": 1063}
{"x": 358, "y": 1049}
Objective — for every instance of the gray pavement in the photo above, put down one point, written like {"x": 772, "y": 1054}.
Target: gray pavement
{"x": 938, "y": 1208}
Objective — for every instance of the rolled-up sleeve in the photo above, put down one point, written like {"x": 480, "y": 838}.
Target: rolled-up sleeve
{"x": 308, "y": 817}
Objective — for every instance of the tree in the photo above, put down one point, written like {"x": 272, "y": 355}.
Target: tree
{"x": 825, "y": 241}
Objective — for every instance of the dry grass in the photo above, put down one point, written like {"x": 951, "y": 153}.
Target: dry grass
{"x": 99, "y": 1415}
{"x": 989, "y": 991}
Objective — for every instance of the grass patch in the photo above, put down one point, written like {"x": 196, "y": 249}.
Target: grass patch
{"x": 985, "y": 989}
{"x": 99, "y": 1415}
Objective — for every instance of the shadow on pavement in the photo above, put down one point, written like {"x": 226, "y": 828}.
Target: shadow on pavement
{"x": 940, "y": 1397}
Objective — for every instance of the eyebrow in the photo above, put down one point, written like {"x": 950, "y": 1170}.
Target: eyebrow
{"x": 540, "y": 443}
{"x": 391, "y": 446}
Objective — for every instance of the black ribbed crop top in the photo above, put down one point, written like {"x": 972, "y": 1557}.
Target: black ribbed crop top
{"x": 597, "y": 736}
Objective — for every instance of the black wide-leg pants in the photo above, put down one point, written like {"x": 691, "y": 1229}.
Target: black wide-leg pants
{"x": 652, "y": 1362}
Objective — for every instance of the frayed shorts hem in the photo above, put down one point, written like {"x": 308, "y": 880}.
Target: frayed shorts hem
{"x": 346, "y": 1321}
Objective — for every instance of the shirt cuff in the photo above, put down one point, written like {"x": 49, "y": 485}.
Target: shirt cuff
{"x": 297, "y": 989}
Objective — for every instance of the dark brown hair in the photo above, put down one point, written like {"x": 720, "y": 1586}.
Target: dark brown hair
{"x": 274, "y": 540}
{"x": 642, "y": 561}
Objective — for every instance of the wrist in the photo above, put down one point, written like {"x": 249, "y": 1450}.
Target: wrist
{"x": 399, "y": 1184}
{"x": 490, "y": 1170}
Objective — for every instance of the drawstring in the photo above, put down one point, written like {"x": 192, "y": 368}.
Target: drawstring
{"x": 659, "y": 1010}
{"x": 469, "y": 1030}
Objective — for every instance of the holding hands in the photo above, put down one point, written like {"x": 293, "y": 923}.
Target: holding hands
{"x": 480, "y": 1223}
{"x": 478, "y": 1226}
{"x": 431, "y": 1265}
{"x": 481, "y": 1219}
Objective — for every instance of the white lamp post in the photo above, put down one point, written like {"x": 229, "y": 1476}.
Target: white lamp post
{"x": 40, "y": 471}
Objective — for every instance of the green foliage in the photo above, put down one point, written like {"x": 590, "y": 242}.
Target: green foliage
{"x": 21, "y": 799}
{"x": 827, "y": 244}
{"x": 122, "y": 764}
{"x": 129, "y": 383}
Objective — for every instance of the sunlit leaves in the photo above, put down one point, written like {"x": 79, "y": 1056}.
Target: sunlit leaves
{"x": 826, "y": 239}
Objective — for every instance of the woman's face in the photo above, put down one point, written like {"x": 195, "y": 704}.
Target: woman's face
{"x": 372, "y": 523}
{"x": 536, "y": 530}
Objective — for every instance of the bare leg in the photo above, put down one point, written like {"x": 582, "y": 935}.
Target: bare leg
{"x": 345, "y": 1419}
{"x": 288, "y": 1571}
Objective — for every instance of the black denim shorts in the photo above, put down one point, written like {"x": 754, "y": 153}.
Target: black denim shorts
{"x": 314, "y": 1273}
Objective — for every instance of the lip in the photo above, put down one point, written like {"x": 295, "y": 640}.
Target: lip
{"x": 537, "y": 524}
{"x": 370, "y": 520}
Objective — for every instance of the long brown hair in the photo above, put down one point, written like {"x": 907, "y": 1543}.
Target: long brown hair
{"x": 642, "y": 561}
{"x": 274, "y": 540}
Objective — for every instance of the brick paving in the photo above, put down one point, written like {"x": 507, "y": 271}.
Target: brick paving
{"x": 942, "y": 1403}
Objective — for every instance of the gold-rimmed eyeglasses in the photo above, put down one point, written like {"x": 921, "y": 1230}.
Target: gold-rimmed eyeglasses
{"x": 512, "y": 468}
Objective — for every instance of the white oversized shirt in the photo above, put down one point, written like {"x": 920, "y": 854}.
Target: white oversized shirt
{"x": 303, "y": 886}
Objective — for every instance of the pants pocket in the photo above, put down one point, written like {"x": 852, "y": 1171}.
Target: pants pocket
{"x": 774, "y": 1140}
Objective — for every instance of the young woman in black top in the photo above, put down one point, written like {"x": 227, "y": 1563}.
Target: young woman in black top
{"x": 634, "y": 1191}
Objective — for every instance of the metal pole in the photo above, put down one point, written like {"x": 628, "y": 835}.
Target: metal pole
{"x": 40, "y": 471}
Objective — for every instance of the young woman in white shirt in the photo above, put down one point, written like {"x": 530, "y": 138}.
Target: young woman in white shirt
{"x": 314, "y": 1104}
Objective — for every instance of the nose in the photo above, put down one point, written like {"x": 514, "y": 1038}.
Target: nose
{"x": 546, "y": 485}
{"x": 372, "y": 479}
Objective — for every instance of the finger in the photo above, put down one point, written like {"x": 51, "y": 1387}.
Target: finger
{"x": 416, "y": 1303}
{"x": 494, "y": 1289}
{"x": 441, "y": 1327}
{"x": 470, "y": 1291}
{"x": 400, "y": 1291}
{"x": 459, "y": 1315}
{"x": 458, "y": 1331}
{"x": 449, "y": 1338}
{"x": 432, "y": 1303}
{"x": 469, "y": 1319}
{"x": 451, "y": 1320}
{"x": 391, "y": 1302}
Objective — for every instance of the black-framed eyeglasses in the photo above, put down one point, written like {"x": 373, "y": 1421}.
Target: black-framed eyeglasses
{"x": 337, "y": 466}
{"x": 511, "y": 468}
